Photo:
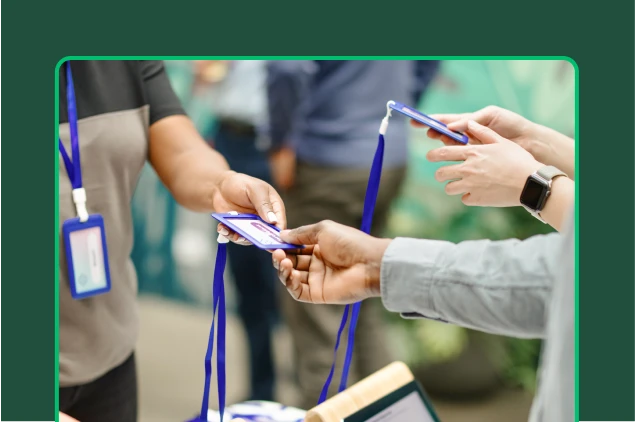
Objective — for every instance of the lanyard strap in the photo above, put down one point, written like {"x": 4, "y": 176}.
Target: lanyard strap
{"x": 73, "y": 168}
{"x": 367, "y": 220}
{"x": 218, "y": 298}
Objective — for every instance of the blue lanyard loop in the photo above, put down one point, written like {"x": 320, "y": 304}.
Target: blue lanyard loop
{"x": 367, "y": 220}
{"x": 218, "y": 298}
{"x": 74, "y": 167}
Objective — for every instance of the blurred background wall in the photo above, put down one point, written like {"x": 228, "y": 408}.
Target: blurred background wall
{"x": 490, "y": 378}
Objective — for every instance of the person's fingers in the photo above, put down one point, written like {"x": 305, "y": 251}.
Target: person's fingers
{"x": 450, "y": 118}
{"x": 433, "y": 134}
{"x": 231, "y": 235}
{"x": 446, "y": 173}
{"x": 449, "y": 153}
{"x": 224, "y": 230}
{"x": 276, "y": 257}
{"x": 293, "y": 284}
{"x": 456, "y": 188}
{"x": 458, "y": 126}
{"x": 483, "y": 134}
{"x": 298, "y": 262}
{"x": 305, "y": 235}
{"x": 263, "y": 197}
{"x": 279, "y": 215}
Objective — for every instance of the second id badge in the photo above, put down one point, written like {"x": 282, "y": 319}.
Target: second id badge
{"x": 86, "y": 256}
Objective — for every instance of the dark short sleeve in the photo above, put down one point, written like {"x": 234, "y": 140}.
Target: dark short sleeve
{"x": 160, "y": 96}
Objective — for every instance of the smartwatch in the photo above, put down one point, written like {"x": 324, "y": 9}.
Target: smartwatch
{"x": 537, "y": 189}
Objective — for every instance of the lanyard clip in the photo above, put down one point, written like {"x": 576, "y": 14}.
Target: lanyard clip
{"x": 79, "y": 198}
{"x": 384, "y": 123}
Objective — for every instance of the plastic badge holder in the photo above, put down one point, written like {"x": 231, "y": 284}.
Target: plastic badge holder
{"x": 428, "y": 121}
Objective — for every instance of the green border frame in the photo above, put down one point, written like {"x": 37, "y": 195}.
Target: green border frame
{"x": 221, "y": 57}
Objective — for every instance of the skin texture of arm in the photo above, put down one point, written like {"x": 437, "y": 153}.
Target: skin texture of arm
{"x": 199, "y": 178}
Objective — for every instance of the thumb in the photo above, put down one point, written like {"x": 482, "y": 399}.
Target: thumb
{"x": 482, "y": 133}
{"x": 305, "y": 235}
{"x": 267, "y": 203}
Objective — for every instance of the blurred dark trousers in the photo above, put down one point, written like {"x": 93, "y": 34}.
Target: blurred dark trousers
{"x": 111, "y": 397}
{"x": 251, "y": 267}
{"x": 337, "y": 194}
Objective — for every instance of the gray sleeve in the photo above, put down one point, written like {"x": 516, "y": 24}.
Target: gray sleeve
{"x": 501, "y": 287}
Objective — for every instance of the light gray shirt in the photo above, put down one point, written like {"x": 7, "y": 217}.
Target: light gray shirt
{"x": 516, "y": 288}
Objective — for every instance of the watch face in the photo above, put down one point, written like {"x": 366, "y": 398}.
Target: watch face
{"x": 534, "y": 194}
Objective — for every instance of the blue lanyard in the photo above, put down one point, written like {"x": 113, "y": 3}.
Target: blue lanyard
{"x": 367, "y": 220}
{"x": 218, "y": 298}
{"x": 73, "y": 168}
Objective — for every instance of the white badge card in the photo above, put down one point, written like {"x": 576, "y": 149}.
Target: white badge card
{"x": 86, "y": 256}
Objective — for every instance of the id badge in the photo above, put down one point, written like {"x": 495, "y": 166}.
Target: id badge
{"x": 86, "y": 256}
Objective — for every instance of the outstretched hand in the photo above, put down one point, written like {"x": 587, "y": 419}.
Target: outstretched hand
{"x": 339, "y": 264}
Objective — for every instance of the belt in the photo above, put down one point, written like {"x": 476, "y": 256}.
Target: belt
{"x": 237, "y": 127}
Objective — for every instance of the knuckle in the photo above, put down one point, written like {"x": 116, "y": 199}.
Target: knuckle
{"x": 492, "y": 109}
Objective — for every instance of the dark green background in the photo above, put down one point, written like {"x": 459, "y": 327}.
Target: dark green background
{"x": 599, "y": 37}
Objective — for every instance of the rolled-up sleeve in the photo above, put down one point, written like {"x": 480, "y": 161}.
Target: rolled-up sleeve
{"x": 502, "y": 287}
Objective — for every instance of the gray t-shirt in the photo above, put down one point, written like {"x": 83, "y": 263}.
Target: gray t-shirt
{"x": 117, "y": 101}
{"x": 515, "y": 288}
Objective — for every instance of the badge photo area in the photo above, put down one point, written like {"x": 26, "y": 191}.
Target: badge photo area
{"x": 279, "y": 350}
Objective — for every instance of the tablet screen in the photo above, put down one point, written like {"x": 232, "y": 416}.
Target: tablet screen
{"x": 410, "y": 408}
{"x": 408, "y": 403}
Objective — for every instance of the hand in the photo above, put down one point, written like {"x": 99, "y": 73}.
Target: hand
{"x": 282, "y": 163}
{"x": 339, "y": 264}
{"x": 504, "y": 122}
{"x": 65, "y": 418}
{"x": 245, "y": 194}
{"x": 492, "y": 174}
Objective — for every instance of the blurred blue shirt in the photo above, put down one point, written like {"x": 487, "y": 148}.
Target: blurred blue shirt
{"x": 329, "y": 111}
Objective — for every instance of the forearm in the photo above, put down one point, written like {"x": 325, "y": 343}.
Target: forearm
{"x": 499, "y": 287}
{"x": 187, "y": 166}
{"x": 559, "y": 203}
{"x": 554, "y": 149}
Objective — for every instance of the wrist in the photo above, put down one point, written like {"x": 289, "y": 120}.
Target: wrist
{"x": 538, "y": 145}
{"x": 216, "y": 188}
{"x": 373, "y": 265}
{"x": 523, "y": 175}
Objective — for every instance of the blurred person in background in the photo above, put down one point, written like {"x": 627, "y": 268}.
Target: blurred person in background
{"x": 237, "y": 94}
{"x": 324, "y": 118}
{"x": 127, "y": 114}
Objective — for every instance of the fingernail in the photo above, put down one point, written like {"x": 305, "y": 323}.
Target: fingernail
{"x": 272, "y": 217}
{"x": 241, "y": 239}
{"x": 276, "y": 264}
{"x": 224, "y": 231}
